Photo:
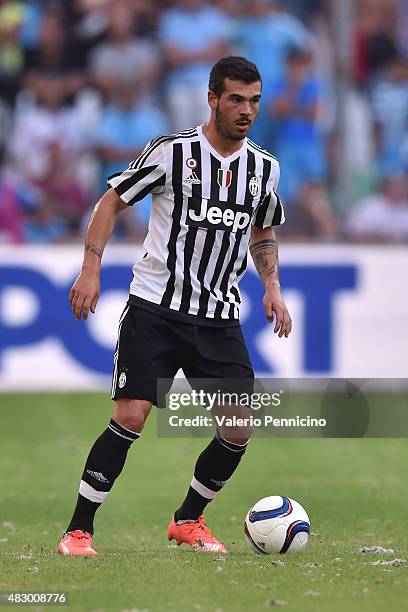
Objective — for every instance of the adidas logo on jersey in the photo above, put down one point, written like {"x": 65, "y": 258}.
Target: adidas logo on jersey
{"x": 192, "y": 179}
{"x": 218, "y": 215}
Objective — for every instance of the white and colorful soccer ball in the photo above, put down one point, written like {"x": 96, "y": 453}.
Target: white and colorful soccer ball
{"x": 277, "y": 525}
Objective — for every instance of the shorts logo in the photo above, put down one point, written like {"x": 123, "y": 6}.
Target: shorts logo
{"x": 191, "y": 163}
{"x": 122, "y": 380}
{"x": 254, "y": 186}
{"x": 216, "y": 215}
{"x": 224, "y": 178}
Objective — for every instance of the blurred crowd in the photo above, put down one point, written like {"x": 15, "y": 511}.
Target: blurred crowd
{"x": 84, "y": 84}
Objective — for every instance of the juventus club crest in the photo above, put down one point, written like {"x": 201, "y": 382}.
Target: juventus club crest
{"x": 224, "y": 178}
{"x": 254, "y": 186}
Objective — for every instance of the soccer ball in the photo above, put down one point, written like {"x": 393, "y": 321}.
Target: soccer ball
{"x": 277, "y": 525}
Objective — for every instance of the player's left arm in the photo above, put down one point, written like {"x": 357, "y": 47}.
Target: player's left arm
{"x": 264, "y": 251}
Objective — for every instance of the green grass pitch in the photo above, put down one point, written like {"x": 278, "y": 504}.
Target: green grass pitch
{"x": 355, "y": 492}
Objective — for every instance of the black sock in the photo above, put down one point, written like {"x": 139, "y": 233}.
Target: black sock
{"x": 214, "y": 467}
{"x": 104, "y": 464}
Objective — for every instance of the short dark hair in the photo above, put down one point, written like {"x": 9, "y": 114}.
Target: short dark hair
{"x": 235, "y": 68}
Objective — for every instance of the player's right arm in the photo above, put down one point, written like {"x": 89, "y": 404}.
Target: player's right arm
{"x": 145, "y": 175}
{"x": 85, "y": 291}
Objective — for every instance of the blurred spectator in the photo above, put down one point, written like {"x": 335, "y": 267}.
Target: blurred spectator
{"x": 127, "y": 125}
{"x": 267, "y": 34}
{"x": 64, "y": 200}
{"x": 390, "y": 110}
{"x": 43, "y": 226}
{"x": 46, "y": 209}
{"x": 41, "y": 119}
{"x": 123, "y": 56}
{"x": 57, "y": 53}
{"x": 375, "y": 44}
{"x": 311, "y": 216}
{"x": 193, "y": 36}
{"x": 148, "y": 15}
{"x": 294, "y": 106}
{"x": 17, "y": 199}
{"x": 11, "y": 52}
{"x": 383, "y": 216}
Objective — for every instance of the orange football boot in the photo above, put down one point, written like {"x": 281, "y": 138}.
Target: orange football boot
{"x": 196, "y": 534}
{"x": 76, "y": 543}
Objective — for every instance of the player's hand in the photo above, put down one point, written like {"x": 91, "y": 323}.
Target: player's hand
{"x": 274, "y": 305}
{"x": 84, "y": 294}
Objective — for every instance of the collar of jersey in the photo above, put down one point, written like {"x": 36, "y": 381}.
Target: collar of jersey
{"x": 222, "y": 159}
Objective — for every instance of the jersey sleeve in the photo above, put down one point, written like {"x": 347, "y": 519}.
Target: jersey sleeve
{"x": 270, "y": 211}
{"x": 147, "y": 174}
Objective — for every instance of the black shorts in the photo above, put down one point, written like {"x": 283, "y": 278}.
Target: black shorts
{"x": 151, "y": 347}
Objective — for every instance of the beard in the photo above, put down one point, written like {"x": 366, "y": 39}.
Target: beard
{"x": 223, "y": 128}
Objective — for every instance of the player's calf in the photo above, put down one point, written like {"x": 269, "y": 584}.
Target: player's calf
{"x": 213, "y": 469}
{"x": 104, "y": 464}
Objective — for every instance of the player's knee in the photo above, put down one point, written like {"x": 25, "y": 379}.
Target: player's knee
{"x": 235, "y": 423}
{"x": 132, "y": 414}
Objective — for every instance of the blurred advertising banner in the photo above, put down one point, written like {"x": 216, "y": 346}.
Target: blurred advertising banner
{"x": 348, "y": 304}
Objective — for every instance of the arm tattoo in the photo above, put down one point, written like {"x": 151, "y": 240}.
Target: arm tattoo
{"x": 92, "y": 248}
{"x": 265, "y": 256}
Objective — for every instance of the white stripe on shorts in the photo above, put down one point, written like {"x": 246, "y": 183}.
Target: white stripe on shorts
{"x": 115, "y": 359}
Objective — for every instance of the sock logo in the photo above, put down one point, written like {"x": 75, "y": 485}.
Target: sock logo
{"x": 98, "y": 476}
{"x": 219, "y": 483}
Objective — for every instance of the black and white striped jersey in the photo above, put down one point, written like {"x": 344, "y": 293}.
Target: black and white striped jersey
{"x": 203, "y": 207}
